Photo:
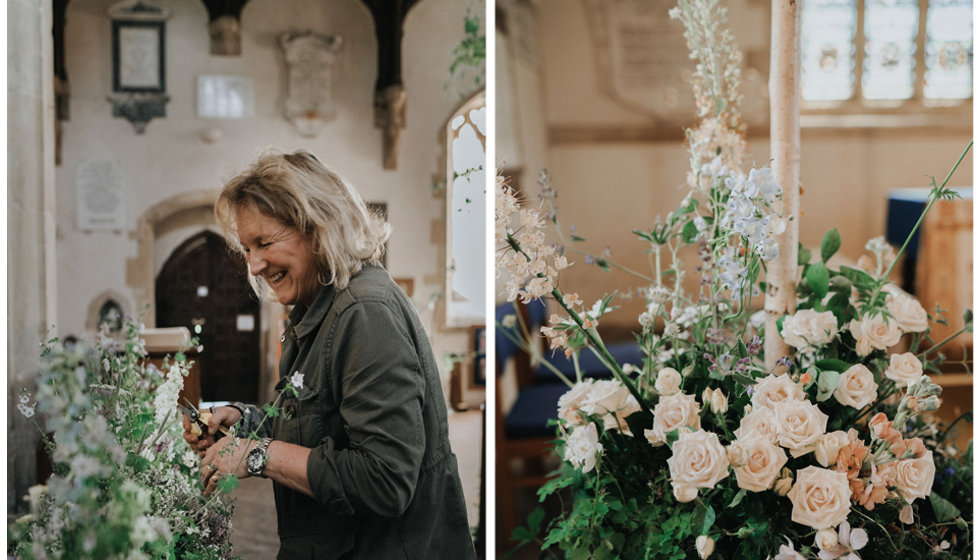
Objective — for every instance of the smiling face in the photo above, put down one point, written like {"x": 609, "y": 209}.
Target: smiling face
{"x": 279, "y": 254}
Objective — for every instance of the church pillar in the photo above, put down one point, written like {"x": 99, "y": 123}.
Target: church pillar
{"x": 31, "y": 280}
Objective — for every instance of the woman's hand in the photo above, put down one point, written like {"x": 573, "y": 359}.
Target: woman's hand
{"x": 224, "y": 416}
{"x": 224, "y": 458}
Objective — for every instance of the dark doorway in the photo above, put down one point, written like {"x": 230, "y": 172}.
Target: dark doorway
{"x": 203, "y": 287}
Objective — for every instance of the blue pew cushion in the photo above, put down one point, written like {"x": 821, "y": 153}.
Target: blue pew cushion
{"x": 534, "y": 407}
{"x": 625, "y": 353}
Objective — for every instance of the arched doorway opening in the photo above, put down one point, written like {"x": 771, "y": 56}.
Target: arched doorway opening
{"x": 203, "y": 286}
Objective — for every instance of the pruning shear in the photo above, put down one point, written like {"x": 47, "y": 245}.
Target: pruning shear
{"x": 194, "y": 415}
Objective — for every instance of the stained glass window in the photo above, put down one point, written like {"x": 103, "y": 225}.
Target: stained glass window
{"x": 882, "y": 51}
{"x": 827, "y": 47}
{"x": 949, "y": 50}
{"x": 890, "y": 29}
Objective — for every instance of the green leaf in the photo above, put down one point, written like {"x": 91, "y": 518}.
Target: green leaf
{"x": 827, "y": 384}
{"x": 227, "y": 483}
{"x": 833, "y": 364}
{"x": 270, "y": 410}
{"x": 737, "y": 499}
{"x": 943, "y": 508}
{"x": 180, "y": 357}
{"x": 818, "y": 279}
{"x": 643, "y": 234}
{"x": 577, "y": 238}
{"x": 603, "y": 264}
{"x": 689, "y": 232}
{"x": 859, "y": 277}
{"x": 968, "y": 319}
{"x": 803, "y": 256}
{"x": 704, "y": 518}
{"x": 534, "y": 520}
{"x": 829, "y": 245}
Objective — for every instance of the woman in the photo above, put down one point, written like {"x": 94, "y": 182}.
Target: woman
{"x": 360, "y": 458}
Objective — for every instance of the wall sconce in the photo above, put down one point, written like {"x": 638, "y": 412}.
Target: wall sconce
{"x": 138, "y": 62}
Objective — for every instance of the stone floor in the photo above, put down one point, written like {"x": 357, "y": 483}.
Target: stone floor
{"x": 254, "y": 523}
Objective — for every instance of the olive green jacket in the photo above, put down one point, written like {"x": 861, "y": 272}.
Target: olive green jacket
{"x": 385, "y": 482}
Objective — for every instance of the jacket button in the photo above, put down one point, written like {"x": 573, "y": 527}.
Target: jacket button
{"x": 283, "y": 339}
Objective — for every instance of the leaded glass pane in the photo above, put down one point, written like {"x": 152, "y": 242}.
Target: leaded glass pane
{"x": 827, "y": 49}
{"x": 949, "y": 49}
{"x": 890, "y": 28}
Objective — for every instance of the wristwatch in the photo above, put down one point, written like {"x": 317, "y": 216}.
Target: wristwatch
{"x": 258, "y": 457}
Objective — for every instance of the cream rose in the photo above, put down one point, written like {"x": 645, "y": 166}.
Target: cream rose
{"x": 872, "y": 332}
{"x": 914, "y": 477}
{"x": 704, "y": 545}
{"x": 668, "y": 382}
{"x": 828, "y": 446}
{"x": 856, "y": 387}
{"x": 582, "y": 447}
{"x": 772, "y": 389}
{"x": 698, "y": 461}
{"x": 571, "y": 401}
{"x": 809, "y": 328}
{"x": 821, "y": 498}
{"x": 906, "y": 310}
{"x": 612, "y": 401}
{"x": 798, "y": 425}
{"x": 673, "y": 412}
{"x": 763, "y": 461}
{"x": 903, "y": 369}
{"x": 760, "y": 420}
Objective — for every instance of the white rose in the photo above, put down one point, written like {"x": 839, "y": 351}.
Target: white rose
{"x": 570, "y": 402}
{"x": 582, "y": 447}
{"x": 762, "y": 464}
{"x": 719, "y": 402}
{"x": 872, "y": 332}
{"x": 828, "y": 446}
{"x": 705, "y": 545}
{"x": 604, "y": 397}
{"x": 783, "y": 485}
{"x": 672, "y": 413}
{"x": 809, "y": 328}
{"x": 668, "y": 382}
{"x": 826, "y": 539}
{"x": 821, "y": 498}
{"x": 698, "y": 461}
{"x": 773, "y": 389}
{"x": 798, "y": 425}
{"x": 857, "y": 387}
{"x": 906, "y": 310}
{"x": 761, "y": 420}
{"x": 914, "y": 477}
{"x": 903, "y": 369}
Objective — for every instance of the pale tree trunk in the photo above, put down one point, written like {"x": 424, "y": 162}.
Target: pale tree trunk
{"x": 784, "y": 118}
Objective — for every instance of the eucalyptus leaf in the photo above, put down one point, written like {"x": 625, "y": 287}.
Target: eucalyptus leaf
{"x": 803, "y": 256}
{"x": 827, "y": 384}
{"x": 830, "y": 244}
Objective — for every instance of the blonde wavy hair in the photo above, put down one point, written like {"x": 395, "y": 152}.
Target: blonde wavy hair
{"x": 300, "y": 192}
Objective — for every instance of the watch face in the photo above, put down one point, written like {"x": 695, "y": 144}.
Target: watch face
{"x": 254, "y": 461}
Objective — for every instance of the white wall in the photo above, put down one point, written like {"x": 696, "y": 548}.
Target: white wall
{"x": 170, "y": 159}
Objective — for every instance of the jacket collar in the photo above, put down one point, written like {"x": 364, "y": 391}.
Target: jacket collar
{"x": 303, "y": 320}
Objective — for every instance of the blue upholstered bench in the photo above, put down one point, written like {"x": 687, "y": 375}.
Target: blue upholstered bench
{"x": 625, "y": 353}
{"x": 535, "y": 405}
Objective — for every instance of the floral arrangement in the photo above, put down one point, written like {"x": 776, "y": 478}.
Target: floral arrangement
{"x": 702, "y": 450}
{"x": 125, "y": 483}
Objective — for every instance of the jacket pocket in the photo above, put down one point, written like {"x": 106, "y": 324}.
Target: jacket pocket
{"x": 299, "y": 418}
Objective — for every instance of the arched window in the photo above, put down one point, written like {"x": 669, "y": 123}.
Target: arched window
{"x": 466, "y": 213}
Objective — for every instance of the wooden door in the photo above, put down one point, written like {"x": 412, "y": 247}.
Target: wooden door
{"x": 203, "y": 287}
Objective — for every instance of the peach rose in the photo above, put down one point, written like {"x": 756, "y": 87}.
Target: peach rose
{"x": 856, "y": 387}
{"x": 698, "y": 461}
{"x": 673, "y": 412}
{"x": 762, "y": 463}
{"x": 772, "y": 389}
{"x": 828, "y": 445}
{"x": 903, "y": 369}
{"x": 809, "y": 328}
{"x": 798, "y": 425}
{"x": 906, "y": 310}
{"x": 668, "y": 382}
{"x": 914, "y": 477}
{"x": 821, "y": 498}
{"x": 872, "y": 332}
{"x": 760, "y": 420}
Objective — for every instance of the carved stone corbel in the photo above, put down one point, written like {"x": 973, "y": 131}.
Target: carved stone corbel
{"x": 389, "y": 116}
{"x": 225, "y": 26}
{"x": 139, "y": 108}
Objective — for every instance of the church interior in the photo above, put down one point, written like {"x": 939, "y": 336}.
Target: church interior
{"x": 126, "y": 118}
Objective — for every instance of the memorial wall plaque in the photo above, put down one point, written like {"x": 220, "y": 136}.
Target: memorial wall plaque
{"x": 310, "y": 58}
{"x": 100, "y": 202}
{"x": 642, "y": 57}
